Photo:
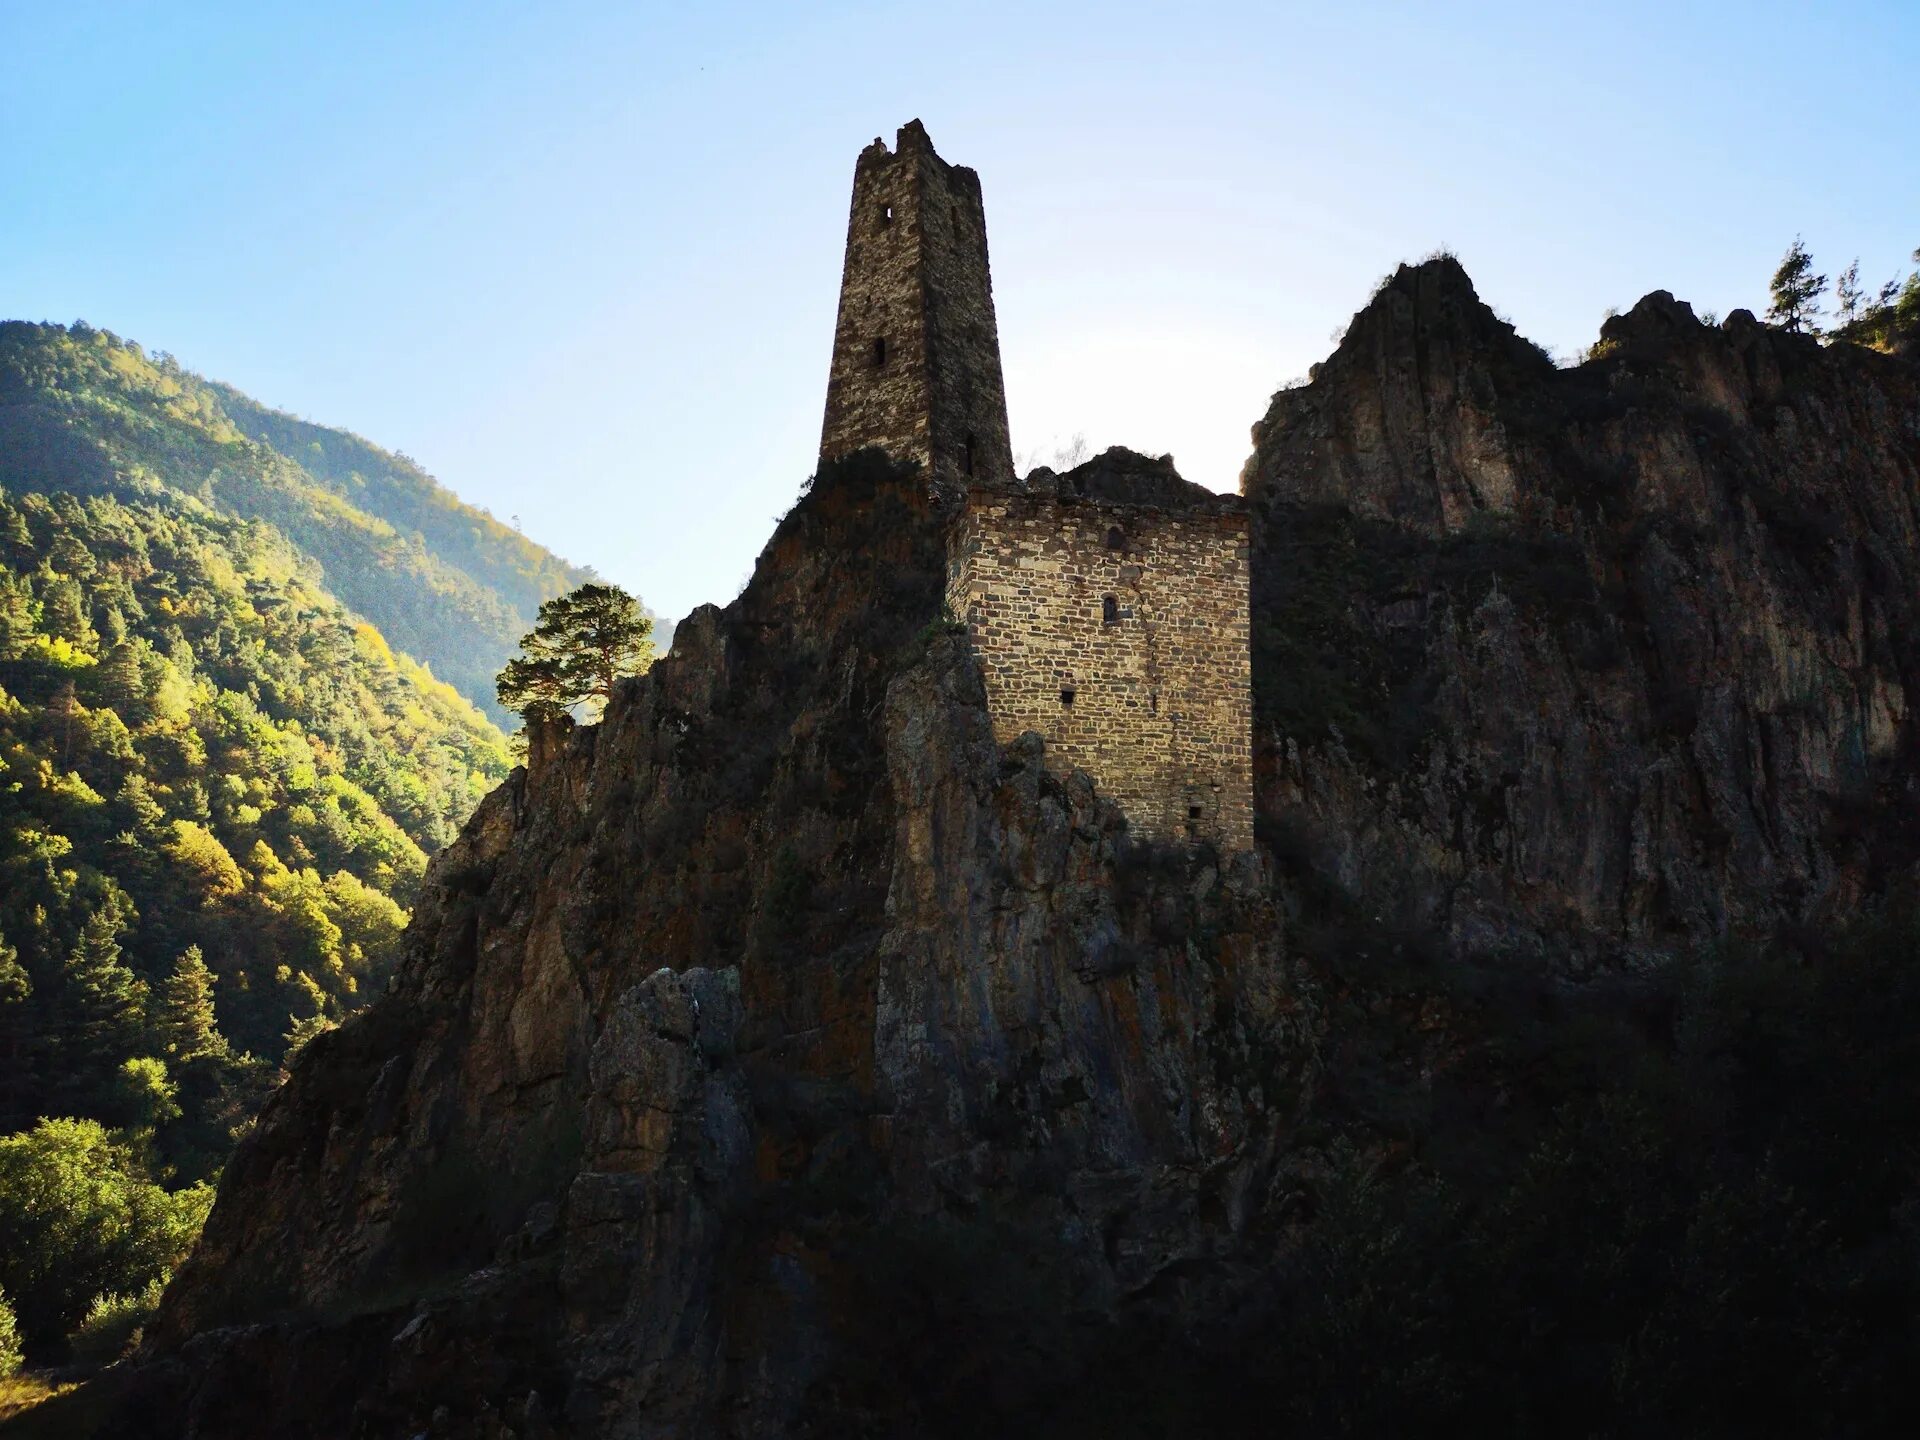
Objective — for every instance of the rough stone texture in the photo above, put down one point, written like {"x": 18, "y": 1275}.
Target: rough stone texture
{"x": 916, "y": 351}
{"x": 706, "y": 1004}
{"x": 1115, "y": 626}
{"x": 1594, "y": 662}
{"x": 789, "y": 1001}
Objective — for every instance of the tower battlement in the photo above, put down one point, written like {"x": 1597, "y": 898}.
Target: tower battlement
{"x": 916, "y": 352}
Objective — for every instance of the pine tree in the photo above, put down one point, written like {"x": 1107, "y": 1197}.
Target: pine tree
{"x": 66, "y": 612}
{"x": 120, "y": 684}
{"x": 135, "y": 807}
{"x": 185, "y": 1023}
{"x": 1796, "y": 292}
{"x": 584, "y": 642}
{"x": 1906, "y": 307}
{"x": 100, "y": 1008}
{"x": 16, "y": 614}
{"x": 1847, "y": 294}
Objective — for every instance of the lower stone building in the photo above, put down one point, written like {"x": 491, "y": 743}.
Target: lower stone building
{"x": 1109, "y": 609}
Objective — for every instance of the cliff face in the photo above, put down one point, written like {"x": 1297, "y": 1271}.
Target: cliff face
{"x": 1588, "y": 662}
{"x": 782, "y": 984}
{"x": 783, "y": 1055}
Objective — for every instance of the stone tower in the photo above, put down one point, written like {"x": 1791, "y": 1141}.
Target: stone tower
{"x": 916, "y": 353}
{"x": 1108, "y": 608}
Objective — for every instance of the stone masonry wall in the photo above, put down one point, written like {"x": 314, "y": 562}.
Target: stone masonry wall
{"x": 1149, "y": 694}
{"x": 916, "y": 351}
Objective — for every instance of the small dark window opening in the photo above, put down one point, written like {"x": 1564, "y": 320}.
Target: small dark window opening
{"x": 880, "y": 350}
{"x": 1193, "y": 812}
{"x": 966, "y": 462}
{"x": 1109, "y": 610}
{"x": 1116, "y": 538}
{"x": 1066, "y": 695}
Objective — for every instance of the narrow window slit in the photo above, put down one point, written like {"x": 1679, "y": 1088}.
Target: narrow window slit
{"x": 880, "y": 350}
{"x": 1109, "y": 611}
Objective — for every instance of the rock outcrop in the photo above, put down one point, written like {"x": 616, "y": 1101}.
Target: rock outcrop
{"x": 1595, "y": 662}
{"x": 783, "y": 971}
{"x": 784, "y": 1056}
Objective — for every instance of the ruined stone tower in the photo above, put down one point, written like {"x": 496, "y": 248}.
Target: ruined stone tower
{"x": 916, "y": 354}
{"x": 1108, "y": 607}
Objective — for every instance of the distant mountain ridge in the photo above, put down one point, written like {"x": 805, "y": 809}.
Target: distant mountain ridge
{"x": 86, "y": 411}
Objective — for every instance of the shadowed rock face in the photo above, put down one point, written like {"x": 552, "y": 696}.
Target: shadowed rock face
{"x": 771, "y": 1052}
{"x": 784, "y": 968}
{"x": 1597, "y": 661}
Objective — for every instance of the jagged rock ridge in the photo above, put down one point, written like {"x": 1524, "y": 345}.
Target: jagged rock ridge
{"x": 1594, "y": 662}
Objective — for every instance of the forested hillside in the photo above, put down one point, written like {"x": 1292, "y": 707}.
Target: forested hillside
{"x": 218, "y": 792}
{"x": 86, "y": 412}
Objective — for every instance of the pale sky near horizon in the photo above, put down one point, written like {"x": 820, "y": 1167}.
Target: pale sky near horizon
{"x": 581, "y": 260}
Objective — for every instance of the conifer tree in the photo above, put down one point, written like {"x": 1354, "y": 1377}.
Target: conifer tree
{"x": 584, "y": 642}
{"x": 66, "y": 612}
{"x": 1796, "y": 291}
{"x": 135, "y": 807}
{"x": 120, "y": 682}
{"x": 101, "y": 1005}
{"x": 1906, "y": 306}
{"x": 186, "y": 1026}
{"x": 1847, "y": 294}
{"x": 16, "y": 620}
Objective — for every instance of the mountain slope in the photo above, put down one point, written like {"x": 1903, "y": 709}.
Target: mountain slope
{"x": 199, "y": 748}
{"x": 85, "y": 411}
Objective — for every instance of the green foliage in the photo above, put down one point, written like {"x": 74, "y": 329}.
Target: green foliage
{"x": 84, "y": 412}
{"x": 82, "y": 1220}
{"x": 1888, "y": 320}
{"x": 585, "y": 641}
{"x": 10, "y": 1351}
{"x": 111, "y": 1326}
{"x": 1796, "y": 291}
{"x": 218, "y": 790}
{"x": 148, "y": 1097}
{"x": 185, "y": 1026}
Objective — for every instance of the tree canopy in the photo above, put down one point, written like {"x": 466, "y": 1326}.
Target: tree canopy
{"x": 445, "y": 582}
{"x": 585, "y": 641}
{"x": 1796, "y": 291}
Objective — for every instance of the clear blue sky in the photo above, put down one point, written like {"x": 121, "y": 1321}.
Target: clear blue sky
{"x": 581, "y": 260}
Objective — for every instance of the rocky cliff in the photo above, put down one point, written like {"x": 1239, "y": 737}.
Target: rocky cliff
{"x": 728, "y": 1019}
{"x": 783, "y": 1056}
{"x": 1588, "y": 663}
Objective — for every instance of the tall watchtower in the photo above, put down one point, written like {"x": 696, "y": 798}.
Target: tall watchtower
{"x": 916, "y": 353}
